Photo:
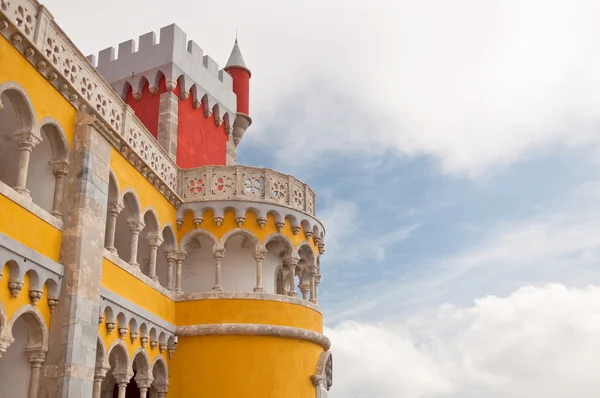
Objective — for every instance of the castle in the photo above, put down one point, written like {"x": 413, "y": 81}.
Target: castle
{"x": 138, "y": 259}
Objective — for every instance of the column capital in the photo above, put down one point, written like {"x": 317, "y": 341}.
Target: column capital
{"x": 114, "y": 207}
{"x": 171, "y": 256}
{"x": 312, "y": 270}
{"x": 100, "y": 372}
{"x": 260, "y": 253}
{"x": 27, "y": 139}
{"x": 219, "y": 253}
{"x": 122, "y": 378}
{"x": 36, "y": 354}
{"x": 60, "y": 167}
{"x": 144, "y": 382}
{"x": 181, "y": 255}
{"x": 154, "y": 241}
{"x": 135, "y": 226}
{"x": 291, "y": 261}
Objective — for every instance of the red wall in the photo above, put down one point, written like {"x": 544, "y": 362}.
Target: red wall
{"x": 200, "y": 142}
{"x": 146, "y": 109}
{"x": 241, "y": 88}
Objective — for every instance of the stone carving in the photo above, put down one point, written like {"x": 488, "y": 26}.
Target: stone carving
{"x": 247, "y": 183}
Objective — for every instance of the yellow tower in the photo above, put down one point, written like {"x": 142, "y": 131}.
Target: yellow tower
{"x": 138, "y": 259}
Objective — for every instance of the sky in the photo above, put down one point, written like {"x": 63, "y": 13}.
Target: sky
{"x": 455, "y": 150}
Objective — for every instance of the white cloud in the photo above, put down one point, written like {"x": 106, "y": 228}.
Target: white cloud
{"x": 473, "y": 83}
{"x": 558, "y": 244}
{"x": 536, "y": 342}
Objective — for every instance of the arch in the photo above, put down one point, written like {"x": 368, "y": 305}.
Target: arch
{"x": 279, "y": 238}
{"x": 324, "y": 372}
{"x": 114, "y": 194}
{"x": 194, "y": 233}
{"x": 101, "y": 354}
{"x": 132, "y": 203}
{"x": 279, "y": 281}
{"x": 239, "y": 231}
{"x": 155, "y": 81}
{"x": 21, "y": 103}
{"x": 118, "y": 357}
{"x": 34, "y": 280}
{"x": 160, "y": 371}
{"x": 151, "y": 221}
{"x": 216, "y": 110}
{"x": 51, "y": 287}
{"x": 36, "y": 325}
{"x": 141, "y": 363}
{"x": 168, "y": 236}
{"x": 56, "y": 135}
{"x": 305, "y": 252}
{"x": 125, "y": 89}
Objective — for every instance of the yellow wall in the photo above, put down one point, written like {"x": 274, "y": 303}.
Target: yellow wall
{"x": 129, "y": 177}
{"x": 129, "y": 287}
{"x": 46, "y": 100}
{"x": 248, "y": 311}
{"x": 11, "y": 305}
{"x": 250, "y": 224}
{"x": 243, "y": 366}
{"x": 19, "y": 223}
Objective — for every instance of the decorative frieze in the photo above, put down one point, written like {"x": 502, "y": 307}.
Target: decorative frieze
{"x": 249, "y": 184}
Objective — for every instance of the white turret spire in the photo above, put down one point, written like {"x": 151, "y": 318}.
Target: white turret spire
{"x": 236, "y": 60}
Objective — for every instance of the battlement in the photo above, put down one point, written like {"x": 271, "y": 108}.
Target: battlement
{"x": 180, "y": 61}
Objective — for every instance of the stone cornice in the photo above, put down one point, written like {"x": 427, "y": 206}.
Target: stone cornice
{"x": 32, "y": 31}
{"x": 247, "y": 296}
{"x": 250, "y": 329}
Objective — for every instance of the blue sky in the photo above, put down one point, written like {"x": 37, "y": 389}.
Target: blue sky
{"x": 454, "y": 150}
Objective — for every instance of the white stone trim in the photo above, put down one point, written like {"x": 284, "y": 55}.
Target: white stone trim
{"x": 250, "y": 329}
{"x": 30, "y": 206}
{"x": 247, "y": 296}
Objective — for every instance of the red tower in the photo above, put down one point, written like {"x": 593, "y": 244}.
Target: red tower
{"x": 240, "y": 73}
{"x": 197, "y": 112}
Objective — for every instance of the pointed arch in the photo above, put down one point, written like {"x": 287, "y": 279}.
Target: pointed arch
{"x": 141, "y": 362}
{"x": 281, "y": 239}
{"x": 118, "y": 357}
{"x": 132, "y": 203}
{"x": 21, "y": 104}
{"x": 3, "y": 320}
{"x": 168, "y": 236}
{"x": 36, "y": 325}
{"x": 160, "y": 370}
{"x": 151, "y": 221}
{"x": 195, "y": 233}
{"x": 239, "y": 231}
{"x": 56, "y": 135}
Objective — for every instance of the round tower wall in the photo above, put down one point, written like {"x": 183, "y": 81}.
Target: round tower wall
{"x": 241, "y": 88}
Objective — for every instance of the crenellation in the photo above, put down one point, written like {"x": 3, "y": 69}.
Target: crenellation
{"x": 173, "y": 56}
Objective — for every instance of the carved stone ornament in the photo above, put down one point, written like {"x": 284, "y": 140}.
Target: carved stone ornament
{"x": 110, "y": 326}
{"x": 144, "y": 341}
{"x": 15, "y": 287}
{"x": 53, "y": 303}
{"x": 35, "y": 296}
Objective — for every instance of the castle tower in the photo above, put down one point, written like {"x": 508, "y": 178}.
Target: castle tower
{"x": 236, "y": 67}
{"x": 182, "y": 97}
{"x": 137, "y": 259}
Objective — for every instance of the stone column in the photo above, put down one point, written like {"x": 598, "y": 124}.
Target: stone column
{"x": 122, "y": 389}
{"x": 161, "y": 391}
{"x": 60, "y": 168}
{"x": 5, "y": 342}
{"x": 27, "y": 140}
{"x": 70, "y": 365}
{"x": 143, "y": 385}
{"x": 135, "y": 227}
{"x": 171, "y": 258}
{"x": 37, "y": 357}
{"x": 317, "y": 281}
{"x": 99, "y": 376}
{"x": 168, "y": 109}
{"x": 291, "y": 263}
{"x": 180, "y": 259}
{"x": 114, "y": 208}
{"x": 219, "y": 255}
{"x": 154, "y": 243}
{"x": 313, "y": 273}
{"x": 259, "y": 255}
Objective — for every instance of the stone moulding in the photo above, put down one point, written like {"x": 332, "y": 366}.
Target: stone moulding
{"x": 247, "y": 296}
{"x": 32, "y": 31}
{"x": 250, "y": 329}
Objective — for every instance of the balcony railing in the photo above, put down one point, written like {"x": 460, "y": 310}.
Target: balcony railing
{"x": 247, "y": 184}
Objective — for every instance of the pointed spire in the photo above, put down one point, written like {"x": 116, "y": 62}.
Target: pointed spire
{"x": 236, "y": 60}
